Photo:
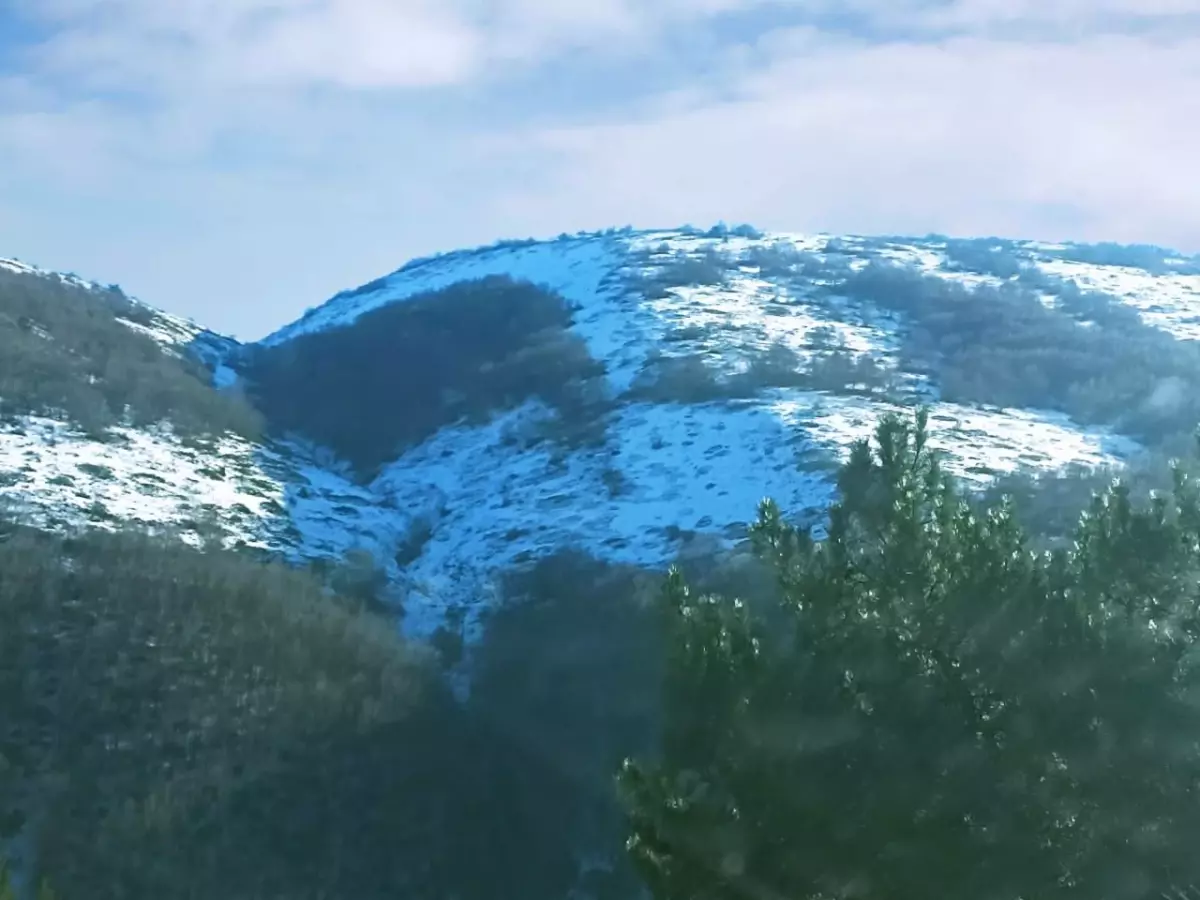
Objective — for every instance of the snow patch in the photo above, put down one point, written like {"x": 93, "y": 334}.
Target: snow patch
{"x": 59, "y": 477}
{"x": 224, "y": 377}
{"x": 172, "y": 333}
{"x": 1170, "y": 302}
{"x": 505, "y": 496}
{"x": 15, "y": 265}
{"x": 446, "y": 517}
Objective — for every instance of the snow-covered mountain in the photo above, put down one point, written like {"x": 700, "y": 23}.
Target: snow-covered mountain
{"x": 731, "y": 366}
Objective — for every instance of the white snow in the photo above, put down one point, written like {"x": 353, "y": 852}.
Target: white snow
{"x": 59, "y": 476}
{"x": 275, "y": 498}
{"x": 748, "y": 313}
{"x": 15, "y": 265}
{"x": 472, "y": 501}
{"x": 24, "y": 268}
{"x": 502, "y": 496}
{"x": 1170, "y": 302}
{"x": 575, "y": 267}
{"x": 172, "y": 333}
{"x": 224, "y": 376}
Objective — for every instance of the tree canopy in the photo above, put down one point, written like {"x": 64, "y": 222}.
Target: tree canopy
{"x": 932, "y": 707}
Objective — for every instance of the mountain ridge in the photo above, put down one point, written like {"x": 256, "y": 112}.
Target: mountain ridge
{"x": 734, "y": 364}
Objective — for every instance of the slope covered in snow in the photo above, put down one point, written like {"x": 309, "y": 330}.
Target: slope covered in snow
{"x": 789, "y": 359}
{"x": 174, "y": 333}
{"x": 676, "y": 478}
{"x": 496, "y": 494}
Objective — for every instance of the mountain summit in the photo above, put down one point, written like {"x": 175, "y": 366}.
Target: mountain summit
{"x": 628, "y": 394}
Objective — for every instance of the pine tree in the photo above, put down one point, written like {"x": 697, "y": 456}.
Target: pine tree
{"x": 933, "y": 709}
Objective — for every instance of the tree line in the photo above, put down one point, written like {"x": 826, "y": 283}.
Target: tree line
{"x": 66, "y": 350}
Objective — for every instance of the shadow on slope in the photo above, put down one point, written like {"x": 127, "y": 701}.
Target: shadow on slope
{"x": 400, "y": 372}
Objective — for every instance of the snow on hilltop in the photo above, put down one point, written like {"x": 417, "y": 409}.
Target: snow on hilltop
{"x": 580, "y": 266}
{"x": 173, "y": 332}
{"x": 673, "y": 471}
{"x": 475, "y": 499}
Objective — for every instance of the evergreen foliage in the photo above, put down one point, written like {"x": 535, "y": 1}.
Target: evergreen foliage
{"x": 933, "y": 708}
{"x": 400, "y": 372}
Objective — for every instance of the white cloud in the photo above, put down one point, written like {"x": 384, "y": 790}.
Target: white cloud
{"x": 184, "y": 46}
{"x": 152, "y": 45}
{"x": 298, "y": 146}
{"x": 1078, "y": 14}
{"x": 362, "y": 44}
{"x": 1079, "y": 17}
{"x": 968, "y": 135}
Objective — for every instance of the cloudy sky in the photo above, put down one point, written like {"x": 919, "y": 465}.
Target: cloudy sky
{"x": 239, "y": 160}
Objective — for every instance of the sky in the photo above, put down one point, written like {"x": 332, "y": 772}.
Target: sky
{"x": 237, "y": 161}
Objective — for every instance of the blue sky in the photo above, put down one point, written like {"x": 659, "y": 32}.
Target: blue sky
{"x": 239, "y": 160}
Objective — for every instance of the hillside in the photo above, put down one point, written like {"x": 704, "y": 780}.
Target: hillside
{"x": 632, "y": 394}
{"x": 733, "y": 366}
{"x": 546, "y": 422}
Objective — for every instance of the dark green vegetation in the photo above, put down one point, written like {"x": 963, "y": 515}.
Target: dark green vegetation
{"x": 1003, "y": 346}
{"x": 568, "y": 671}
{"x": 994, "y": 256}
{"x": 399, "y": 373}
{"x": 1036, "y": 341}
{"x": 1087, "y": 355}
{"x": 691, "y": 378}
{"x": 64, "y": 352}
{"x": 564, "y": 672}
{"x": 932, "y": 707}
{"x": 681, "y": 270}
{"x": 203, "y": 725}
{"x": 8, "y": 891}
{"x": 1049, "y": 504}
{"x": 402, "y": 371}
{"x": 915, "y": 702}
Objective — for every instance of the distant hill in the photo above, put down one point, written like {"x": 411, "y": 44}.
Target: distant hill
{"x": 503, "y": 448}
{"x": 631, "y": 394}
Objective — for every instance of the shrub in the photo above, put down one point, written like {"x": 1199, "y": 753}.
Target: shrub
{"x": 836, "y": 370}
{"x": 402, "y": 371}
{"x": 710, "y": 268}
{"x": 64, "y": 351}
{"x": 776, "y": 366}
{"x": 414, "y": 542}
{"x": 690, "y": 378}
{"x": 8, "y": 892}
{"x": 361, "y": 582}
{"x": 204, "y": 725}
{"x": 1004, "y": 347}
{"x": 678, "y": 379}
{"x": 170, "y": 674}
{"x": 846, "y": 372}
{"x": 1049, "y": 503}
{"x": 932, "y": 707}
{"x": 746, "y": 231}
{"x": 1156, "y": 260}
{"x": 986, "y": 256}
